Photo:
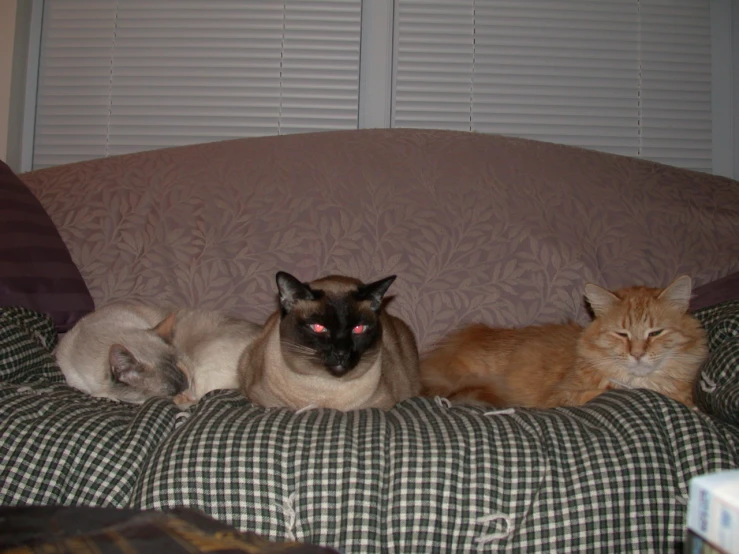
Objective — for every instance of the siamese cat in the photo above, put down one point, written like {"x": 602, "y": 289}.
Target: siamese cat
{"x": 331, "y": 344}
{"x": 115, "y": 352}
{"x": 132, "y": 352}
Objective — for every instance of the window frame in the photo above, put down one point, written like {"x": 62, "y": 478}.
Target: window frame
{"x": 376, "y": 77}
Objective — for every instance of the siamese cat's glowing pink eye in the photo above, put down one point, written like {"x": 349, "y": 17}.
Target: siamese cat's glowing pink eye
{"x": 359, "y": 329}
{"x": 317, "y": 328}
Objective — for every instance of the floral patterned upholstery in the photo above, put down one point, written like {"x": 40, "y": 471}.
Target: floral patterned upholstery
{"x": 477, "y": 227}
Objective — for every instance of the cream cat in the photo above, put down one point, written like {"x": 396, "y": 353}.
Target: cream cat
{"x": 331, "y": 345}
{"x": 114, "y": 352}
{"x": 640, "y": 338}
{"x": 209, "y": 345}
{"x": 132, "y": 352}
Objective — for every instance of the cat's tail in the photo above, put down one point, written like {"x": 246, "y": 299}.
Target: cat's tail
{"x": 478, "y": 394}
{"x": 447, "y": 382}
{"x": 482, "y": 393}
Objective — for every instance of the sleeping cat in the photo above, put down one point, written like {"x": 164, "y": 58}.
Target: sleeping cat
{"x": 209, "y": 345}
{"x": 133, "y": 352}
{"x": 640, "y": 338}
{"x": 331, "y": 344}
{"x": 115, "y": 352}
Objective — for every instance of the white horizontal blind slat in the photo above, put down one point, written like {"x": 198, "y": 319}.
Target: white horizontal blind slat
{"x": 184, "y": 74}
{"x": 433, "y": 64}
{"x": 676, "y": 123}
{"x": 624, "y": 76}
{"x": 185, "y": 71}
{"x": 557, "y": 71}
{"x": 321, "y": 38}
{"x": 74, "y": 81}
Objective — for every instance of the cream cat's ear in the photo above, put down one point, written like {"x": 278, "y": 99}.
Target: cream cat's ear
{"x": 600, "y": 299}
{"x": 678, "y": 292}
{"x": 165, "y": 329}
{"x": 124, "y": 366}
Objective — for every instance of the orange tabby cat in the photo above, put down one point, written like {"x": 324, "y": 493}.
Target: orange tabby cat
{"x": 640, "y": 338}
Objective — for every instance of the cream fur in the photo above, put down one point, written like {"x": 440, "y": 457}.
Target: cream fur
{"x": 83, "y": 352}
{"x": 210, "y": 344}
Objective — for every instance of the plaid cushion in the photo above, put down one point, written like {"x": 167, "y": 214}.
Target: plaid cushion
{"x": 610, "y": 476}
{"x": 717, "y": 391}
{"x": 26, "y": 341}
{"x": 58, "y": 445}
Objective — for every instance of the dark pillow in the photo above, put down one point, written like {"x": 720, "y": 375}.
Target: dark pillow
{"x": 36, "y": 270}
{"x": 717, "y": 389}
{"x": 715, "y": 292}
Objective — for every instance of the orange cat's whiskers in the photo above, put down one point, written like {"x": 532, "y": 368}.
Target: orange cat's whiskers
{"x": 608, "y": 362}
{"x": 620, "y": 383}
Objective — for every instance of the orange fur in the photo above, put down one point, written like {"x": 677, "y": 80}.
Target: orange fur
{"x": 565, "y": 365}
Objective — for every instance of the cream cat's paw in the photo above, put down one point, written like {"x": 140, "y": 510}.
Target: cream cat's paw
{"x": 184, "y": 400}
{"x": 107, "y": 395}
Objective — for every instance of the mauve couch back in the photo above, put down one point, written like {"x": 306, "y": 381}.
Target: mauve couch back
{"x": 477, "y": 227}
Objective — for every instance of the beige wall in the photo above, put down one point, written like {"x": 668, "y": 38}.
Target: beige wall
{"x": 7, "y": 35}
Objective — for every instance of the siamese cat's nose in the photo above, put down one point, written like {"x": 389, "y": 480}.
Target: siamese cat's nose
{"x": 341, "y": 357}
{"x": 338, "y": 370}
{"x": 339, "y": 364}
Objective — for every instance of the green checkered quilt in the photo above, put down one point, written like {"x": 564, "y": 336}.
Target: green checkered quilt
{"x": 611, "y": 476}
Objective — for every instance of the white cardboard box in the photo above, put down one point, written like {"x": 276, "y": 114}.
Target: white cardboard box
{"x": 713, "y": 509}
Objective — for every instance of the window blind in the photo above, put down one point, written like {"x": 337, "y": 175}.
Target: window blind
{"x": 629, "y": 77}
{"x": 676, "y": 122}
{"x": 434, "y": 64}
{"x": 119, "y": 76}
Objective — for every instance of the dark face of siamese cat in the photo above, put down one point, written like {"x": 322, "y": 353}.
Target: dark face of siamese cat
{"x": 136, "y": 380}
{"x": 331, "y": 324}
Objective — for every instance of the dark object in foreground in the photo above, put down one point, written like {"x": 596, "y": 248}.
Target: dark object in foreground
{"x": 82, "y": 530}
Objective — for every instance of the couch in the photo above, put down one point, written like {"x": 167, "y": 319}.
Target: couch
{"x": 477, "y": 228}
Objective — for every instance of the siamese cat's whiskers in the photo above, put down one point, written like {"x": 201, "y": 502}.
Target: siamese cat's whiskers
{"x": 296, "y": 347}
{"x": 393, "y": 342}
{"x": 299, "y": 349}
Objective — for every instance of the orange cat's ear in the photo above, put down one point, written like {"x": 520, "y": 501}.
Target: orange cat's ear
{"x": 165, "y": 329}
{"x": 600, "y": 299}
{"x": 678, "y": 293}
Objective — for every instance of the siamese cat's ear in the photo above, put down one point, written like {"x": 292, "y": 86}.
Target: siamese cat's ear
{"x": 375, "y": 291}
{"x": 600, "y": 299}
{"x": 165, "y": 329}
{"x": 124, "y": 366}
{"x": 291, "y": 290}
